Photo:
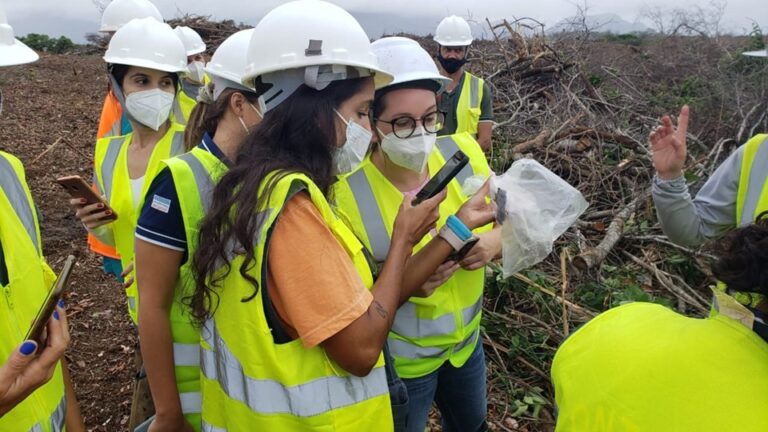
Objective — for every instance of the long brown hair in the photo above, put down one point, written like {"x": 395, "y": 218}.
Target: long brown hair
{"x": 205, "y": 116}
{"x": 298, "y": 136}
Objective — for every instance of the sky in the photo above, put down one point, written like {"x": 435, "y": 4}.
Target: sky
{"x": 75, "y": 18}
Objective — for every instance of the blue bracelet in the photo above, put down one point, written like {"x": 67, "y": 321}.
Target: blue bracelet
{"x": 458, "y": 228}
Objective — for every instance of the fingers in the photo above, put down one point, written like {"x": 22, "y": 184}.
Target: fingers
{"x": 128, "y": 282}
{"x": 77, "y": 203}
{"x": 484, "y": 190}
{"x": 19, "y": 360}
{"x": 682, "y": 121}
{"x": 127, "y": 270}
{"x": 58, "y": 339}
{"x": 435, "y": 200}
{"x": 91, "y": 213}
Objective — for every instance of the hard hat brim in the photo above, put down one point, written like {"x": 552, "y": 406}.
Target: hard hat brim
{"x": 463, "y": 42}
{"x": 196, "y": 51}
{"x": 17, "y": 54}
{"x": 380, "y": 78}
{"x": 760, "y": 53}
{"x": 145, "y": 64}
{"x": 419, "y": 76}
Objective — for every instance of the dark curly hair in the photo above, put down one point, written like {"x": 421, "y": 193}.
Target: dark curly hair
{"x": 743, "y": 264}
{"x": 298, "y": 136}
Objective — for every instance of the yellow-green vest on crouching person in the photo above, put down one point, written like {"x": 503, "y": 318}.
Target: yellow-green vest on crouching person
{"x": 249, "y": 383}
{"x": 195, "y": 174}
{"x": 641, "y": 367}
{"x": 29, "y": 280}
{"x": 752, "y": 196}
{"x": 468, "y": 108}
{"x": 112, "y": 180}
{"x": 444, "y": 326}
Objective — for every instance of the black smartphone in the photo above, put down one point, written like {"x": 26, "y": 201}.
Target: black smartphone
{"x": 447, "y": 173}
{"x": 36, "y": 331}
{"x": 461, "y": 253}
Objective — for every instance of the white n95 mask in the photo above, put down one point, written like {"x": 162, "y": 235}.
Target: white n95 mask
{"x": 351, "y": 154}
{"x": 196, "y": 71}
{"x": 150, "y": 107}
{"x": 411, "y": 153}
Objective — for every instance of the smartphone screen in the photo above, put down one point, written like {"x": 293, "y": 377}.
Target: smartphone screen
{"x": 36, "y": 331}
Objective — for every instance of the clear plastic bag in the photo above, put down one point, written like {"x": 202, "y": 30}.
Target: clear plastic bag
{"x": 534, "y": 208}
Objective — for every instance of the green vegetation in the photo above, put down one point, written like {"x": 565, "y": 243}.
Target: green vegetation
{"x": 45, "y": 43}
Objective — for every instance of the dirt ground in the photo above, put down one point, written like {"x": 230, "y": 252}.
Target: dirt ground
{"x": 58, "y": 100}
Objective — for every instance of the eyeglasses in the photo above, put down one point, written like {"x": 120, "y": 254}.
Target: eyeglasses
{"x": 403, "y": 127}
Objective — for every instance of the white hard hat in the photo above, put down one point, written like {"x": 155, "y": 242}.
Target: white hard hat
{"x": 453, "y": 31}
{"x": 228, "y": 61}
{"x": 120, "y": 12}
{"x": 407, "y": 61}
{"x": 12, "y": 50}
{"x": 761, "y": 53}
{"x": 227, "y": 64}
{"x": 313, "y": 41}
{"x": 192, "y": 41}
{"x": 147, "y": 43}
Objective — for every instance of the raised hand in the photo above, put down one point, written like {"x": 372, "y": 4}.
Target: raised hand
{"x": 668, "y": 146}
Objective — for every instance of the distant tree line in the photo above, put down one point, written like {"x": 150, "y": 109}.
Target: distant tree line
{"x": 45, "y": 43}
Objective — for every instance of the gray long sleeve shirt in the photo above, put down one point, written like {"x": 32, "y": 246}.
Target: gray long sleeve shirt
{"x": 690, "y": 222}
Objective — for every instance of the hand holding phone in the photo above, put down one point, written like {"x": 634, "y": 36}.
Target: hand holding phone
{"x": 447, "y": 173}
{"x": 36, "y": 331}
{"x": 87, "y": 199}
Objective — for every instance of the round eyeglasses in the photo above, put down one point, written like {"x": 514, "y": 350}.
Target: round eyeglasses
{"x": 404, "y": 126}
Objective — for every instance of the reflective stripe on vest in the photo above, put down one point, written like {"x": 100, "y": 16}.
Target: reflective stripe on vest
{"x": 474, "y": 91}
{"x": 203, "y": 180}
{"x": 109, "y": 165}
{"x": 405, "y": 349}
{"x": 178, "y": 112}
{"x": 17, "y": 197}
{"x": 186, "y": 354}
{"x": 448, "y": 147}
{"x": 208, "y": 428}
{"x": 755, "y": 175}
{"x": 265, "y": 396}
{"x": 57, "y": 418}
{"x": 371, "y": 215}
{"x": 408, "y": 324}
{"x": 191, "y": 402}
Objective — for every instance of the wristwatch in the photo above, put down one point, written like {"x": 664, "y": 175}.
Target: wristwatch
{"x": 458, "y": 236}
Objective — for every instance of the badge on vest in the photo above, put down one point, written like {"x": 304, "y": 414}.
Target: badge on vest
{"x": 161, "y": 204}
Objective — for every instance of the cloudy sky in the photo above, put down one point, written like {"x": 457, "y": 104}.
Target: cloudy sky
{"x": 74, "y": 18}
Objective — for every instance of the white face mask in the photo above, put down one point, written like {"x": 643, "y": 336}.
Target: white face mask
{"x": 242, "y": 122}
{"x": 411, "y": 153}
{"x": 150, "y": 107}
{"x": 196, "y": 71}
{"x": 352, "y": 153}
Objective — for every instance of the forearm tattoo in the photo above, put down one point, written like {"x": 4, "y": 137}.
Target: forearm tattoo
{"x": 380, "y": 309}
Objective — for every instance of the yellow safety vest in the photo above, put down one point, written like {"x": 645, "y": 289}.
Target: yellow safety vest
{"x": 250, "y": 383}
{"x": 186, "y": 101}
{"x": 30, "y": 279}
{"x": 201, "y": 169}
{"x": 641, "y": 367}
{"x": 752, "y": 197}
{"x": 444, "y": 326}
{"x": 468, "y": 109}
{"x": 112, "y": 180}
